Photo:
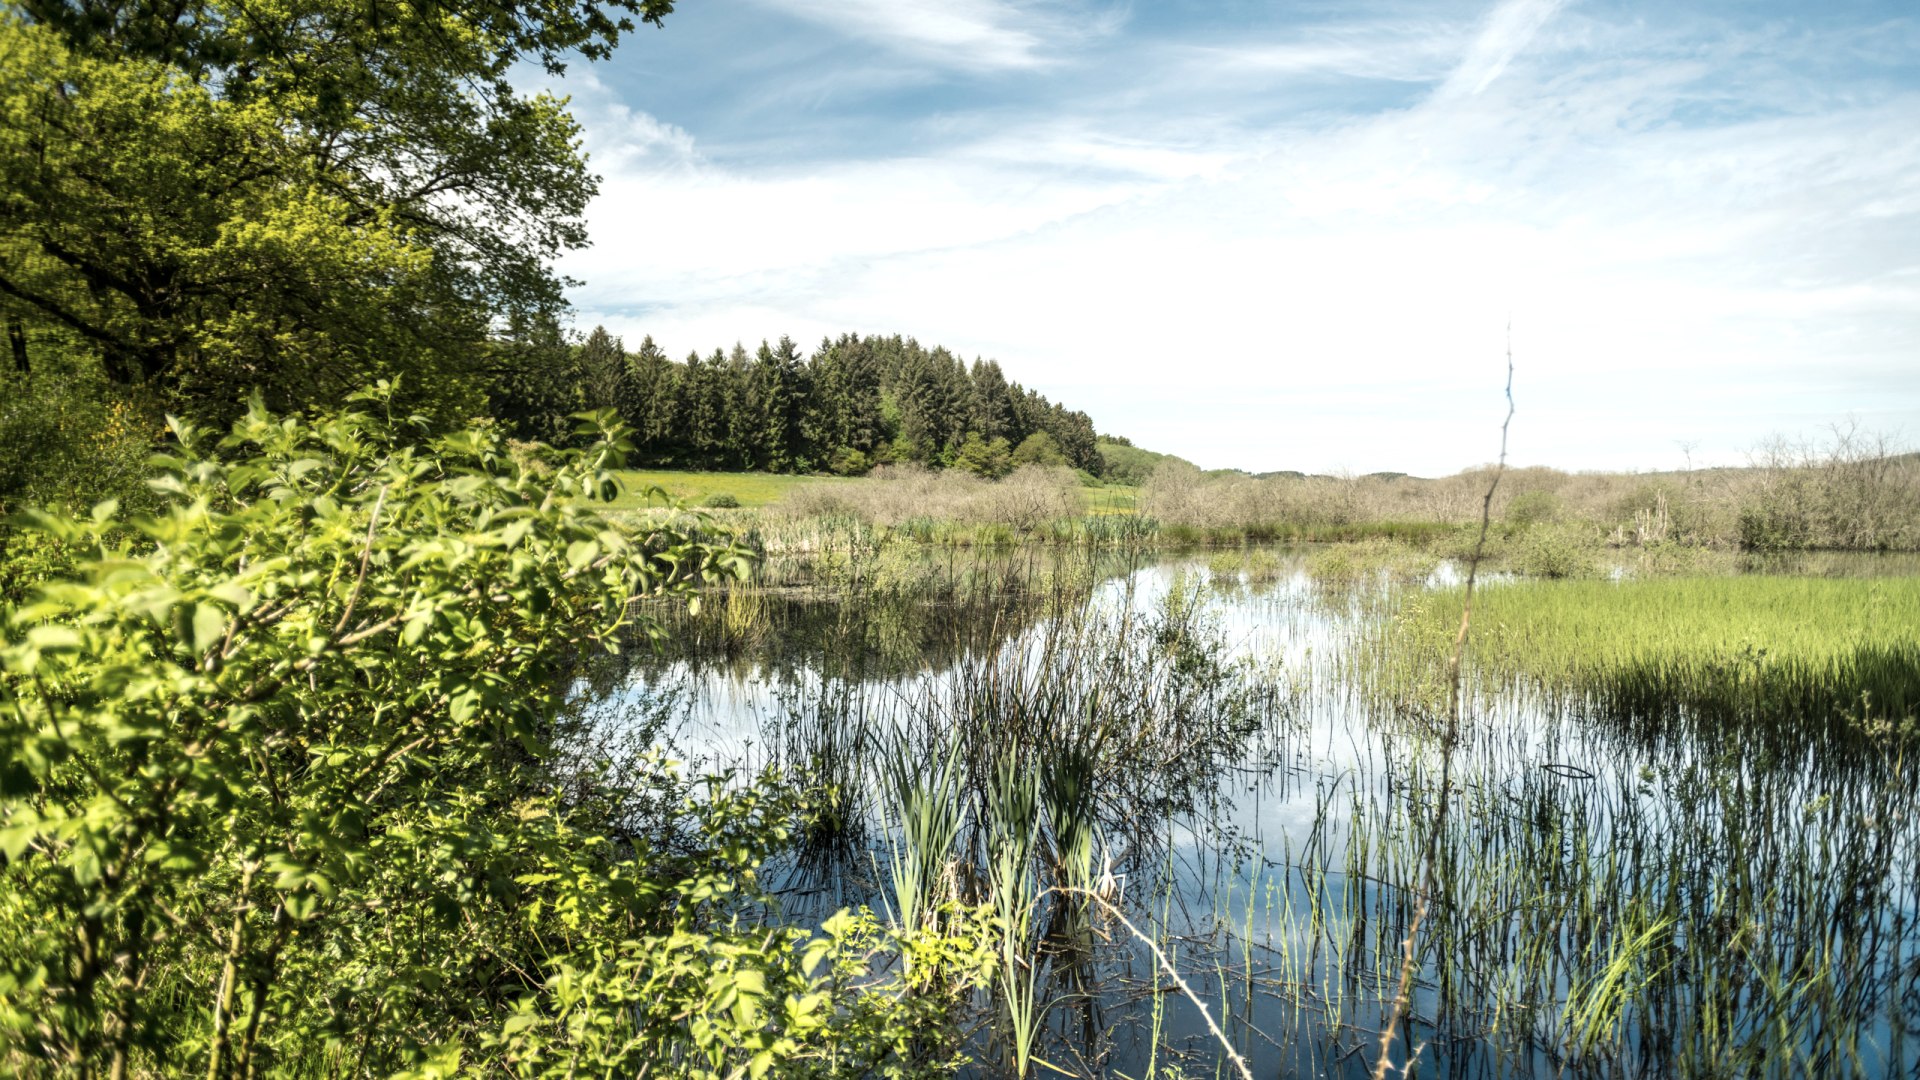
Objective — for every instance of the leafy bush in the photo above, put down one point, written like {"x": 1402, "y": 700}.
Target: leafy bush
{"x": 723, "y": 501}
{"x": 847, "y": 461}
{"x": 1039, "y": 448}
{"x": 1557, "y": 551}
{"x": 989, "y": 459}
{"x": 1530, "y": 508}
{"x": 280, "y": 792}
{"x": 66, "y": 439}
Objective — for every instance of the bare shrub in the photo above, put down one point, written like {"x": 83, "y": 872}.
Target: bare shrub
{"x": 892, "y": 496}
{"x": 1853, "y": 490}
{"x": 817, "y": 500}
{"x": 1028, "y": 498}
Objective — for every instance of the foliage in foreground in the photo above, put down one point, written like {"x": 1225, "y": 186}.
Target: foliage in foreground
{"x": 280, "y": 794}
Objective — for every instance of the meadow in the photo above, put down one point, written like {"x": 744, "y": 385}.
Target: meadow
{"x": 755, "y": 490}
{"x": 644, "y": 487}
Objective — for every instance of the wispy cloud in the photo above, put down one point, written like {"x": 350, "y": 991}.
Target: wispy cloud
{"x": 1507, "y": 30}
{"x": 980, "y": 35}
{"x": 1692, "y": 240}
{"x": 1394, "y": 51}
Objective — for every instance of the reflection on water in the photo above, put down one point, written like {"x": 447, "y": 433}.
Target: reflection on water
{"x": 1609, "y": 900}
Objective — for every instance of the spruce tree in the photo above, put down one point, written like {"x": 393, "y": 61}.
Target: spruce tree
{"x": 602, "y": 362}
{"x": 646, "y": 399}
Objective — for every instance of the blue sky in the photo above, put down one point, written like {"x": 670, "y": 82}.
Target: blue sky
{"x": 1292, "y": 235}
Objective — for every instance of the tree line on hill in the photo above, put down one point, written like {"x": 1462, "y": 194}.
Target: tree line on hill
{"x": 852, "y": 404}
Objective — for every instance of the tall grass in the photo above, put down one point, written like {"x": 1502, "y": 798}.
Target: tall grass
{"x": 927, "y": 806}
{"x": 1655, "y": 862}
{"x": 1810, "y": 659}
{"x": 1013, "y": 803}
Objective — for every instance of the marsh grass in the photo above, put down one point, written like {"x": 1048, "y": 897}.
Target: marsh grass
{"x": 1369, "y": 562}
{"x": 1770, "y": 659}
{"x": 1034, "y": 776}
{"x": 1584, "y": 921}
{"x": 1685, "y": 892}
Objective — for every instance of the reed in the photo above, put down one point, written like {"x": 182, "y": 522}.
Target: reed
{"x": 1013, "y": 834}
{"x": 930, "y": 813}
{"x": 1603, "y": 897}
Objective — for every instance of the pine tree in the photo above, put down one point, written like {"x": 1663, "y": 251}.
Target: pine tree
{"x": 534, "y": 383}
{"x": 602, "y": 363}
{"x": 794, "y": 406}
{"x": 744, "y": 409}
{"x": 854, "y": 402}
{"x": 646, "y": 401}
{"x": 866, "y": 427}
{"x": 989, "y": 410}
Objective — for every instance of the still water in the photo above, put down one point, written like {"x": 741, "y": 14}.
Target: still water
{"x": 1274, "y": 804}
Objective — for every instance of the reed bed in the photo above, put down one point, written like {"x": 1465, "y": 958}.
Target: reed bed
{"x": 1588, "y": 920}
{"x": 1712, "y": 872}
{"x": 1778, "y": 661}
{"x": 1035, "y": 776}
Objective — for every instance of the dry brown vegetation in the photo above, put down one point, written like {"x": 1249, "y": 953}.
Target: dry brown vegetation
{"x": 1852, "y": 491}
{"x": 1848, "y": 492}
{"x": 893, "y": 496}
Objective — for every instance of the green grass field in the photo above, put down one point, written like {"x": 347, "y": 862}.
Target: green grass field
{"x": 757, "y": 489}
{"x": 751, "y": 489}
{"x": 1764, "y": 653}
{"x": 1114, "y": 499}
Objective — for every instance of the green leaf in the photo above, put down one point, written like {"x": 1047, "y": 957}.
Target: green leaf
{"x": 582, "y": 552}
{"x": 15, "y": 838}
{"x": 209, "y": 627}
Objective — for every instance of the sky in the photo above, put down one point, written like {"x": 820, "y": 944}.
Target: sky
{"x": 1294, "y": 235}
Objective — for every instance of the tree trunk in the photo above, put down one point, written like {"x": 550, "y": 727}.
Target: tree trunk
{"x": 17, "y": 337}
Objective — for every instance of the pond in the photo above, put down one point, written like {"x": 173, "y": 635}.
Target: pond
{"x": 1671, "y": 830}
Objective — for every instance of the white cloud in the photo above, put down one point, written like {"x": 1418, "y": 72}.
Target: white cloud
{"x": 1395, "y": 51}
{"x": 1335, "y": 293}
{"x": 1507, "y": 30}
{"x": 965, "y": 34}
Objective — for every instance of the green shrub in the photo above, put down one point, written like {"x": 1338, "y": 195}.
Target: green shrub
{"x": 1557, "y": 551}
{"x": 1039, "y": 448}
{"x": 67, "y": 440}
{"x": 723, "y": 501}
{"x": 283, "y": 790}
{"x": 1530, "y": 508}
{"x": 847, "y": 461}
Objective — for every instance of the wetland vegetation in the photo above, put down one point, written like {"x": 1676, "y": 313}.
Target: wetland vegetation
{"x": 1681, "y": 841}
{"x": 363, "y": 715}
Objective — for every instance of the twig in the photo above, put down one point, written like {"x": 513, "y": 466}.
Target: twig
{"x": 1239, "y": 1063}
{"x": 366, "y": 557}
{"x": 1410, "y": 959}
